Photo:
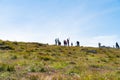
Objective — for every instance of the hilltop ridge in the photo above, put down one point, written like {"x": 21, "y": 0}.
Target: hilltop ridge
{"x": 37, "y": 61}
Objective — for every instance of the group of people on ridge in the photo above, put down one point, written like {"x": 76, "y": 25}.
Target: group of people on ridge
{"x": 65, "y": 42}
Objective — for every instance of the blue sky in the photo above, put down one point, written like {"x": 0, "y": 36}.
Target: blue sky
{"x": 88, "y": 21}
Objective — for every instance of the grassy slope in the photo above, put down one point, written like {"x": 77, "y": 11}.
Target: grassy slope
{"x": 35, "y": 61}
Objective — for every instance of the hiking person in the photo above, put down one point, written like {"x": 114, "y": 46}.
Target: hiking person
{"x": 117, "y": 45}
{"x": 59, "y": 43}
{"x": 78, "y": 43}
{"x": 65, "y": 43}
{"x": 68, "y": 41}
{"x": 56, "y": 41}
{"x": 71, "y": 44}
{"x": 99, "y": 45}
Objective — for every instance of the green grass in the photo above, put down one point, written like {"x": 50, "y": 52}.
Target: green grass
{"x": 36, "y": 61}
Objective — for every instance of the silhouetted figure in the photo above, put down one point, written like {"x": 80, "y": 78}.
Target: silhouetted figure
{"x": 59, "y": 43}
{"x": 117, "y": 45}
{"x": 99, "y": 45}
{"x": 65, "y": 43}
{"x": 56, "y": 41}
{"x": 78, "y": 43}
{"x": 68, "y": 41}
{"x": 71, "y": 44}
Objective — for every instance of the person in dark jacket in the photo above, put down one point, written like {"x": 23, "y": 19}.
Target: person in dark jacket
{"x": 68, "y": 41}
{"x": 56, "y": 41}
{"x": 65, "y": 43}
{"x": 117, "y": 45}
{"x": 71, "y": 44}
{"x": 78, "y": 43}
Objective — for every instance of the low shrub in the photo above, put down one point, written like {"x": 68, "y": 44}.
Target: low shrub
{"x": 14, "y": 57}
{"x": 6, "y": 67}
{"x": 36, "y": 69}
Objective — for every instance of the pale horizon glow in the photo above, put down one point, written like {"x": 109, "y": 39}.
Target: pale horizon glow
{"x": 87, "y": 21}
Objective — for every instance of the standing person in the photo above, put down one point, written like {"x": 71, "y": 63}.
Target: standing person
{"x": 71, "y": 44}
{"x": 68, "y": 39}
{"x": 59, "y": 43}
{"x": 78, "y": 43}
{"x": 56, "y": 41}
{"x": 99, "y": 45}
{"x": 117, "y": 45}
{"x": 65, "y": 43}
